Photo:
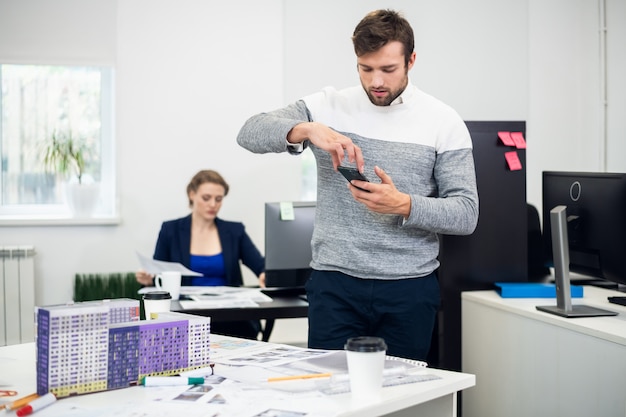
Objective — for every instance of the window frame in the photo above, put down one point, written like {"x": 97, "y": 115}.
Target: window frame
{"x": 107, "y": 211}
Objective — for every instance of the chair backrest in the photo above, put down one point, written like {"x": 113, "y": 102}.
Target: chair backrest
{"x": 537, "y": 269}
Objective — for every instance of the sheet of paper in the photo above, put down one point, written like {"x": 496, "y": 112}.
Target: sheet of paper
{"x": 219, "y": 297}
{"x": 225, "y": 346}
{"x": 206, "y": 304}
{"x": 152, "y": 266}
{"x": 266, "y": 356}
{"x": 226, "y": 293}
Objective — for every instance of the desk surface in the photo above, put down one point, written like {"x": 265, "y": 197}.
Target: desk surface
{"x": 287, "y": 307}
{"x": 18, "y": 373}
{"x": 532, "y": 363}
{"x": 612, "y": 328}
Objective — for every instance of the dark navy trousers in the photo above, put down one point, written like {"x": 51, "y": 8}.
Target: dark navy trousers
{"x": 402, "y": 311}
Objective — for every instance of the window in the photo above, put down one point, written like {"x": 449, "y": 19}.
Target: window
{"x": 41, "y": 102}
{"x": 309, "y": 176}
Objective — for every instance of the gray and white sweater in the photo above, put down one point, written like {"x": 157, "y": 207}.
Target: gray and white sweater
{"x": 420, "y": 142}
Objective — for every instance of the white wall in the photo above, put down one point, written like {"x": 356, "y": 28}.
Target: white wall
{"x": 462, "y": 48}
{"x": 532, "y": 60}
{"x": 616, "y": 82}
{"x": 189, "y": 72}
{"x": 564, "y": 110}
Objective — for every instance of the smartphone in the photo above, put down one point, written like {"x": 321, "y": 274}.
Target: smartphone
{"x": 352, "y": 174}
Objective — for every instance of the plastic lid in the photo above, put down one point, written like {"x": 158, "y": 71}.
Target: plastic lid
{"x": 157, "y": 295}
{"x": 366, "y": 344}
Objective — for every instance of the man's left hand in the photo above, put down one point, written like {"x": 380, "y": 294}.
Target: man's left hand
{"x": 384, "y": 197}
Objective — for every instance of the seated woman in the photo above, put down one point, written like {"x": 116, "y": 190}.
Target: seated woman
{"x": 211, "y": 246}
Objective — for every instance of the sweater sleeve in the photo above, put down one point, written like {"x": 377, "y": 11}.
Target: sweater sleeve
{"x": 267, "y": 132}
{"x": 455, "y": 210}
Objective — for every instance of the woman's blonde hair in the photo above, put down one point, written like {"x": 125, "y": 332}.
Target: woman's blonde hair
{"x": 203, "y": 177}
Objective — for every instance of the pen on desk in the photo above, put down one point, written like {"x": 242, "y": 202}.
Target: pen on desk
{"x": 306, "y": 376}
{"x": 36, "y": 404}
{"x": 21, "y": 401}
{"x": 162, "y": 381}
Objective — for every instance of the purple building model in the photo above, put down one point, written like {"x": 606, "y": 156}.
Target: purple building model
{"x": 102, "y": 345}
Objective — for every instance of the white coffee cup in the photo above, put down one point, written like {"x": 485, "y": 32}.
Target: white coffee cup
{"x": 169, "y": 281}
{"x": 366, "y": 361}
{"x": 156, "y": 302}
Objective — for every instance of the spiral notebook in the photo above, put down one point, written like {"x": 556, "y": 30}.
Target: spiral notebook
{"x": 336, "y": 362}
{"x": 408, "y": 371}
{"x": 394, "y": 361}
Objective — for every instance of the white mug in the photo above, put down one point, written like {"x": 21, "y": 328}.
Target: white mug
{"x": 169, "y": 281}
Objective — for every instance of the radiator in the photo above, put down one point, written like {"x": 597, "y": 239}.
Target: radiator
{"x": 17, "y": 294}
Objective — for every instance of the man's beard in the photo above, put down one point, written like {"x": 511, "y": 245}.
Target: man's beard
{"x": 389, "y": 98}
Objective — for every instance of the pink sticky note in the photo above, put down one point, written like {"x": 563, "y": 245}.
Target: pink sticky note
{"x": 513, "y": 161}
{"x": 518, "y": 139}
{"x": 506, "y": 138}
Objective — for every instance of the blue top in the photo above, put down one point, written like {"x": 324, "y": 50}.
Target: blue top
{"x": 212, "y": 269}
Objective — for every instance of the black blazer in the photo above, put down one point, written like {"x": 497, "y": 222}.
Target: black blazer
{"x": 174, "y": 242}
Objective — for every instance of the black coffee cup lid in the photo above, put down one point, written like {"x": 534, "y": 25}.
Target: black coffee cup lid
{"x": 366, "y": 344}
{"x": 157, "y": 295}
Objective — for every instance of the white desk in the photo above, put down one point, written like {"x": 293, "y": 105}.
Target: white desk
{"x": 430, "y": 398}
{"x": 531, "y": 363}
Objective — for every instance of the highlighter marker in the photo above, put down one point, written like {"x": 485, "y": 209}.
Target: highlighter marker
{"x": 36, "y": 404}
{"x": 163, "y": 381}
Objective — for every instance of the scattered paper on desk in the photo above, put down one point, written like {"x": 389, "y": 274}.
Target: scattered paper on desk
{"x": 266, "y": 356}
{"x": 342, "y": 388}
{"x": 224, "y": 346}
{"x": 254, "y": 294}
{"x": 236, "y": 399}
{"x": 210, "y": 303}
{"x": 336, "y": 361}
{"x": 152, "y": 266}
{"x": 222, "y": 297}
{"x": 226, "y": 293}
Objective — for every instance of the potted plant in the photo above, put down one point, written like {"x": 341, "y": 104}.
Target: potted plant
{"x": 67, "y": 156}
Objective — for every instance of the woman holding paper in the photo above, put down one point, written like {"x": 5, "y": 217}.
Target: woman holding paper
{"x": 209, "y": 245}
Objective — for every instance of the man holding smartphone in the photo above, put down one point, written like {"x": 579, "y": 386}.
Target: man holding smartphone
{"x": 375, "y": 246}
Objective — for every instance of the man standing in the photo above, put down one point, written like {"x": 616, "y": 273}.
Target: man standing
{"x": 375, "y": 245}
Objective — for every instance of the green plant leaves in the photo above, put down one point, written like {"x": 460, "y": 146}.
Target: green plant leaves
{"x": 65, "y": 154}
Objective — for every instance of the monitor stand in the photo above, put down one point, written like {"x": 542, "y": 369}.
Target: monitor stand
{"x": 560, "y": 250}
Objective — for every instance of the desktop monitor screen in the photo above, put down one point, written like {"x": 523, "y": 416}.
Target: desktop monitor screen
{"x": 288, "y": 243}
{"x": 596, "y": 221}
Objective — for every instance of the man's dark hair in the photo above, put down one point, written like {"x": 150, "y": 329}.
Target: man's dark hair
{"x": 380, "y": 27}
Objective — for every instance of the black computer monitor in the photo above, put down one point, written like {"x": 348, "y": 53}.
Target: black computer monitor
{"x": 596, "y": 221}
{"x": 288, "y": 243}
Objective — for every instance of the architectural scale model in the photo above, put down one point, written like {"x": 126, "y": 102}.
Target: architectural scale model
{"x": 101, "y": 345}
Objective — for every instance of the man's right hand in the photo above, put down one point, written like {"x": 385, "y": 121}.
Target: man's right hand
{"x": 337, "y": 145}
